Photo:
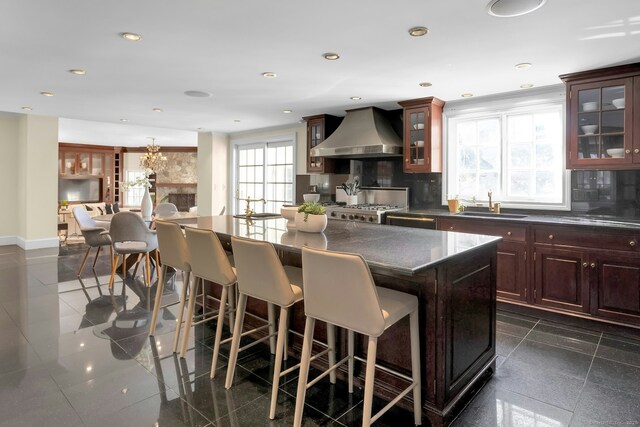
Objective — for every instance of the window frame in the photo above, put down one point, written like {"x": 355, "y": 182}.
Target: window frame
{"x": 502, "y": 107}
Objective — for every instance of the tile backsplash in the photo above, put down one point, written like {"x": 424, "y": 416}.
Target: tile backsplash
{"x": 614, "y": 193}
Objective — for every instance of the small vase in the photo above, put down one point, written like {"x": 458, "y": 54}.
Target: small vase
{"x": 313, "y": 224}
{"x": 352, "y": 200}
{"x": 454, "y": 205}
{"x": 146, "y": 207}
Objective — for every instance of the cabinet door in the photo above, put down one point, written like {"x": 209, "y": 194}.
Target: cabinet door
{"x": 636, "y": 121}
{"x": 69, "y": 162}
{"x": 615, "y": 286}
{"x": 416, "y": 139}
{"x": 315, "y": 135}
{"x": 97, "y": 164}
{"x": 600, "y": 124}
{"x": 561, "y": 278}
{"x": 511, "y": 275}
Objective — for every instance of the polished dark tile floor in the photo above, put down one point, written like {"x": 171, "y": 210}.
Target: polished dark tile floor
{"x": 71, "y": 355}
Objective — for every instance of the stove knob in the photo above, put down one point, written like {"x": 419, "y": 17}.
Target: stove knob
{"x": 350, "y": 216}
{"x": 343, "y": 216}
{"x": 362, "y": 218}
{"x": 333, "y": 214}
{"x": 371, "y": 219}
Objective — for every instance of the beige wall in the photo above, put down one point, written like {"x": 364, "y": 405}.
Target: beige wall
{"x": 213, "y": 184}
{"x": 9, "y": 143}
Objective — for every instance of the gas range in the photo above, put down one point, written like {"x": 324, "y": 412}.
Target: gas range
{"x": 373, "y": 203}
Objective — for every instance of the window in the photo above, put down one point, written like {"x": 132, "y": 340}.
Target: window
{"x": 133, "y": 195}
{"x": 517, "y": 154}
{"x": 265, "y": 170}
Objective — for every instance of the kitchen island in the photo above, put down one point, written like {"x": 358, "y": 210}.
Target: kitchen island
{"x": 452, "y": 274}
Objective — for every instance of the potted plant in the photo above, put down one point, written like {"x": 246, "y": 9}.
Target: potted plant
{"x": 311, "y": 217}
{"x": 455, "y": 204}
{"x": 63, "y": 205}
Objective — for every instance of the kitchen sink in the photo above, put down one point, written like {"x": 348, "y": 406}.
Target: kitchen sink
{"x": 491, "y": 215}
{"x": 263, "y": 215}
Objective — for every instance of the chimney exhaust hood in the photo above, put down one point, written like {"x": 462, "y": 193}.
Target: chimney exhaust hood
{"x": 364, "y": 132}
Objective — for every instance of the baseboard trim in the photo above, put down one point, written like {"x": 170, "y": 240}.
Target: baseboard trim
{"x": 8, "y": 240}
{"x": 27, "y": 245}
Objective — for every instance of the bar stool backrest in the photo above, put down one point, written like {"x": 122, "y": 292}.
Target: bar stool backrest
{"x": 260, "y": 272}
{"x": 208, "y": 258}
{"x": 338, "y": 289}
{"x": 173, "y": 246}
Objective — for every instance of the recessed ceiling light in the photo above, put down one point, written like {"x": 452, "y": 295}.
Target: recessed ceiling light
{"x": 523, "y": 66}
{"x": 287, "y": 111}
{"x": 466, "y": 95}
{"x": 132, "y": 37}
{"x": 78, "y": 72}
{"x": 331, "y": 56}
{"x": 510, "y": 8}
{"x": 526, "y": 85}
{"x": 124, "y": 120}
{"x": 198, "y": 129}
{"x": 158, "y": 110}
{"x": 418, "y": 31}
{"x": 237, "y": 121}
{"x": 46, "y": 93}
{"x": 269, "y": 75}
{"x": 425, "y": 84}
{"x": 355, "y": 98}
{"x": 197, "y": 93}
{"x": 27, "y": 108}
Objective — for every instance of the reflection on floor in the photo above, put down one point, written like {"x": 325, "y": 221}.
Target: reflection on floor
{"x": 72, "y": 354}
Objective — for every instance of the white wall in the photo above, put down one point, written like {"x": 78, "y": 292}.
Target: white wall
{"x": 9, "y": 141}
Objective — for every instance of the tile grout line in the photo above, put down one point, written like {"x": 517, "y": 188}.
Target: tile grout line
{"x": 593, "y": 358}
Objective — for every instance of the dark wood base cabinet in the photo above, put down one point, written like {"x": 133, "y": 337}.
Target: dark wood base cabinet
{"x": 615, "y": 286}
{"x": 561, "y": 279}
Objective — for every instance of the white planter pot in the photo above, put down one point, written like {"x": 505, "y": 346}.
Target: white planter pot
{"x": 146, "y": 207}
{"x": 313, "y": 224}
{"x": 352, "y": 200}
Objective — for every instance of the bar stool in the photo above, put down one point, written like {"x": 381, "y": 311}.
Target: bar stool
{"x": 209, "y": 261}
{"x": 261, "y": 275}
{"x": 175, "y": 253}
{"x": 339, "y": 290}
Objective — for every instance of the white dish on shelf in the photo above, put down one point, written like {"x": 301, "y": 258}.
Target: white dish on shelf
{"x": 589, "y": 129}
{"x": 616, "y": 153}
{"x": 311, "y": 197}
{"x": 618, "y": 102}
{"x": 418, "y": 126}
{"x": 419, "y": 144}
{"x": 589, "y": 106}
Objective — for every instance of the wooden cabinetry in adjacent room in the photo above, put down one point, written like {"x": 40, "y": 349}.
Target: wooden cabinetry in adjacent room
{"x": 91, "y": 162}
{"x": 422, "y": 139}
{"x": 602, "y": 129}
{"x": 319, "y": 128}
{"x": 595, "y": 272}
{"x": 511, "y": 271}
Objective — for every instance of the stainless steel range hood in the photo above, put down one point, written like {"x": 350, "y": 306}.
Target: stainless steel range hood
{"x": 364, "y": 132}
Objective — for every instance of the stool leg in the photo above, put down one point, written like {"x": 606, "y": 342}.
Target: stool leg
{"x": 220, "y": 320}
{"x": 331, "y": 343}
{"x": 235, "y": 342}
{"x": 232, "y": 307}
{"x": 114, "y": 266}
{"x": 307, "y": 343}
{"x": 193, "y": 294}
{"x": 415, "y": 367}
{"x": 156, "y": 305}
{"x": 282, "y": 332}
{"x": 271, "y": 316}
{"x": 95, "y": 260}
{"x": 352, "y": 352}
{"x": 84, "y": 260}
{"x": 368, "y": 381}
{"x": 183, "y": 298}
{"x": 147, "y": 264}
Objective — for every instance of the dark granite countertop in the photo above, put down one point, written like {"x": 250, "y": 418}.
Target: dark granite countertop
{"x": 590, "y": 221}
{"x": 397, "y": 249}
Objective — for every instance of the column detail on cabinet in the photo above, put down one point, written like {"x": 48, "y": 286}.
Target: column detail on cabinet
{"x": 422, "y": 134}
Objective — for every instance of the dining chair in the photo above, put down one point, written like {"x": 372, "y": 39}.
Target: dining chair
{"x": 165, "y": 209}
{"x": 130, "y": 235}
{"x": 93, "y": 236}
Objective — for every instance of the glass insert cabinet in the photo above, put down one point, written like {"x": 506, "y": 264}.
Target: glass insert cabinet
{"x": 601, "y": 132}
{"x": 422, "y": 139}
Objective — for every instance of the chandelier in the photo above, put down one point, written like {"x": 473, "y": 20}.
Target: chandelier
{"x": 153, "y": 159}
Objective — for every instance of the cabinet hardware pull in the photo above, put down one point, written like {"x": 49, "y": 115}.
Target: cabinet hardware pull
{"x": 550, "y": 236}
{"x": 637, "y": 150}
{"x": 451, "y": 228}
{"x": 627, "y": 151}
{"x": 593, "y": 265}
{"x": 508, "y": 233}
{"x": 632, "y": 243}
{"x": 585, "y": 264}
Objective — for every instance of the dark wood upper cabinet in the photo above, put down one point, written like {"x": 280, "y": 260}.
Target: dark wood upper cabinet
{"x": 602, "y": 131}
{"x": 422, "y": 135}
{"x": 319, "y": 128}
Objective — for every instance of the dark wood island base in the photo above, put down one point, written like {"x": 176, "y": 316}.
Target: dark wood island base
{"x": 457, "y": 294}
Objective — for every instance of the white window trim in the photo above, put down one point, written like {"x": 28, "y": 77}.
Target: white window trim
{"x": 503, "y": 105}
{"x": 288, "y": 138}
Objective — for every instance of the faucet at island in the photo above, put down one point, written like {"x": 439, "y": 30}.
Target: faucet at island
{"x": 248, "y": 211}
{"x": 490, "y": 204}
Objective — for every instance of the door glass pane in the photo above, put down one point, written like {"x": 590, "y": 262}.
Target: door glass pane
{"x": 613, "y": 98}
{"x": 588, "y": 100}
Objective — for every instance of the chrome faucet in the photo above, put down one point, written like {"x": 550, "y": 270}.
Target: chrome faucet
{"x": 490, "y": 204}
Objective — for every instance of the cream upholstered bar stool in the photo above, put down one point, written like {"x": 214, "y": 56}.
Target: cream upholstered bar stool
{"x": 130, "y": 235}
{"x": 261, "y": 275}
{"x": 174, "y": 252}
{"x": 209, "y": 261}
{"x": 339, "y": 290}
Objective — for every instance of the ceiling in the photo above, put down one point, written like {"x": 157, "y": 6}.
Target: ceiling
{"x": 223, "y": 48}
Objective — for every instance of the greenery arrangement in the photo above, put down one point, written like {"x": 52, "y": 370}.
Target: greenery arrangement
{"x": 141, "y": 181}
{"x": 311, "y": 208}
{"x": 63, "y": 204}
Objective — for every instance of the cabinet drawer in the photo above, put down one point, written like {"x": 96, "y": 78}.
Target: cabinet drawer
{"x": 623, "y": 241}
{"x": 509, "y": 232}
